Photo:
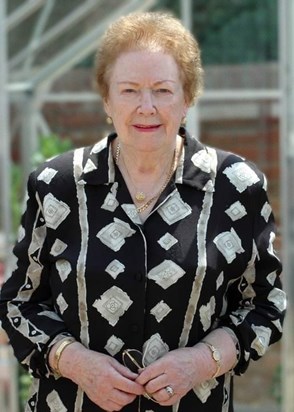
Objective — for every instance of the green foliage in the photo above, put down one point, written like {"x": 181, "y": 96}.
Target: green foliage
{"x": 25, "y": 381}
{"x": 229, "y": 31}
{"x": 232, "y": 31}
{"x": 16, "y": 195}
{"x": 276, "y": 388}
{"x": 170, "y": 5}
{"x": 235, "y": 31}
{"x": 49, "y": 146}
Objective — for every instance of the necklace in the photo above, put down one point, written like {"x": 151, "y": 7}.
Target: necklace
{"x": 140, "y": 195}
{"x": 141, "y": 209}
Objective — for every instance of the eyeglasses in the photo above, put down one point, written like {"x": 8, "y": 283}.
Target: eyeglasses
{"x": 134, "y": 360}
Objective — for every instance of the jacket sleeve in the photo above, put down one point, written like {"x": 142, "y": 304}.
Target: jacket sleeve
{"x": 26, "y": 311}
{"x": 259, "y": 303}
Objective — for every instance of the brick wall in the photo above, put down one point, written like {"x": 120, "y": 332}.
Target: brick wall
{"x": 255, "y": 139}
{"x": 83, "y": 123}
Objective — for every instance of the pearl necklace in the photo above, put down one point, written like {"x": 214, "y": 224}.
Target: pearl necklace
{"x": 140, "y": 195}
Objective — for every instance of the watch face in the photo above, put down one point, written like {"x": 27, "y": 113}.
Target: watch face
{"x": 216, "y": 355}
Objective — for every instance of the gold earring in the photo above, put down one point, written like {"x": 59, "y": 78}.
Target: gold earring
{"x": 184, "y": 120}
{"x": 108, "y": 120}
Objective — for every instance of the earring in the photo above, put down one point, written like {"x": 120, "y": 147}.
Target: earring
{"x": 108, "y": 120}
{"x": 183, "y": 122}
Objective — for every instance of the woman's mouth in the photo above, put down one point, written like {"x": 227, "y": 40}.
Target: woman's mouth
{"x": 146, "y": 127}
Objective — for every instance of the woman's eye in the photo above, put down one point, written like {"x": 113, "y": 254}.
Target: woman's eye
{"x": 127, "y": 91}
{"x": 162, "y": 91}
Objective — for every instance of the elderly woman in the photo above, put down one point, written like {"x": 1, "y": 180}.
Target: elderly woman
{"x": 145, "y": 275}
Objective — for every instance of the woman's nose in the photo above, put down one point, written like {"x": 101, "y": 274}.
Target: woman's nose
{"x": 146, "y": 105}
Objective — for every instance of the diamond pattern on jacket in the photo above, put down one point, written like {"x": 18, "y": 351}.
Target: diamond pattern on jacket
{"x": 154, "y": 348}
{"x": 61, "y": 302}
{"x": 160, "y": 311}
{"x": 115, "y": 268}
{"x": 55, "y": 211}
{"x": 114, "y": 345}
{"x": 206, "y": 313}
{"x": 58, "y": 247}
{"x": 241, "y": 176}
{"x": 47, "y": 175}
{"x": 166, "y": 274}
{"x": 266, "y": 211}
{"x": 236, "y": 211}
{"x": 110, "y": 202}
{"x": 167, "y": 241}
{"x": 229, "y": 244}
{"x": 55, "y": 403}
{"x": 203, "y": 391}
{"x": 64, "y": 268}
{"x": 261, "y": 342}
{"x": 113, "y": 304}
{"x": 174, "y": 209}
{"x": 202, "y": 159}
{"x": 114, "y": 234}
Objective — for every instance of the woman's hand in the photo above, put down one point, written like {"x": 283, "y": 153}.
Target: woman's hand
{"x": 106, "y": 382}
{"x": 181, "y": 369}
{"x": 178, "y": 369}
{"x": 184, "y": 368}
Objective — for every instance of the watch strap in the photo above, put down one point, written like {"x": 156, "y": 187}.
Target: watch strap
{"x": 216, "y": 356}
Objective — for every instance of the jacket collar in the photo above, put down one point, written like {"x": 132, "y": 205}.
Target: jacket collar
{"x": 196, "y": 167}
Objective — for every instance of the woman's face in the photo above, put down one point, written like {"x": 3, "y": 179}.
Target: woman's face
{"x": 146, "y": 99}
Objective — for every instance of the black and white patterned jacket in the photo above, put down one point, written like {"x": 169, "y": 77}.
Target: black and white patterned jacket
{"x": 87, "y": 267}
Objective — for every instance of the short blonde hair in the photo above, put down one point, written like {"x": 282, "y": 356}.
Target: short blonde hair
{"x": 155, "y": 31}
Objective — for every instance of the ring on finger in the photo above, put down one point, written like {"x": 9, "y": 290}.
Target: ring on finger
{"x": 169, "y": 390}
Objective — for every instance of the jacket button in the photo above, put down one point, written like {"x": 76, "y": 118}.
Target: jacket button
{"x": 134, "y": 328}
{"x": 139, "y": 276}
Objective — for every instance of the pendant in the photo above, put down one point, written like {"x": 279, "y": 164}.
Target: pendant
{"x": 140, "y": 196}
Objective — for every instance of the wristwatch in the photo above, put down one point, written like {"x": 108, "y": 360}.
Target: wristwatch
{"x": 216, "y": 356}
